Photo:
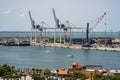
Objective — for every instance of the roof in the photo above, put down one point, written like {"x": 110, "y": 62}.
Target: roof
{"x": 74, "y": 63}
{"x": 90, "y": 70}
{"x": 63, "y": 71}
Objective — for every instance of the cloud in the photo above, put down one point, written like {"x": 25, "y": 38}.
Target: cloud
{"x": 22, "y": 14}
{"x": 6, "y": 12}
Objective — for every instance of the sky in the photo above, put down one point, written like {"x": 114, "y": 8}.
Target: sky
{"x": 14, "y": 13}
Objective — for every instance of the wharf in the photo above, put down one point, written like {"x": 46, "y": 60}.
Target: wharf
{"x": 78, "y": 47}
{"x": 102, "y": 48}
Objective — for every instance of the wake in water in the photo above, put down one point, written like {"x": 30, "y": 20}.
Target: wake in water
{"x": 46, "y": 51}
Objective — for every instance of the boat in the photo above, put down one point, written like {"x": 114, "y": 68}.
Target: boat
{"x": 70, "y": 56}
{"x": 11, "y": 42}
{"x": 24, "y": 43}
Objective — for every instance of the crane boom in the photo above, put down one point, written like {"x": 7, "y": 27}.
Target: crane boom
{"x": 87, "y": 44}
{"x": 56, "y": 20}
{"x": 98, "y": 21}
{"x": 32, "y": 21}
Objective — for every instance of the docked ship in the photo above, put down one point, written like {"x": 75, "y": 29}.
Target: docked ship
{"x": 24, "y": 43}
{"x": 11, "y": 42}
{"x": 16, "y": 42}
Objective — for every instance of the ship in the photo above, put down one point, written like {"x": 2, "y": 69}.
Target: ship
{"x": 24, "y": 43}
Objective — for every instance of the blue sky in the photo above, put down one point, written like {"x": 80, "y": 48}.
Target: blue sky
{"x": 14, "y": 13}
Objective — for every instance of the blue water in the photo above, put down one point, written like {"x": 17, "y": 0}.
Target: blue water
{"x": 54, "y": 58}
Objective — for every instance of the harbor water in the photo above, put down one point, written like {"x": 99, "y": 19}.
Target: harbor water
{"x": 55, "y": 58}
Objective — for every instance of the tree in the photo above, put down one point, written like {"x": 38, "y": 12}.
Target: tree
{"x": 110, "y": 77}
{"x": 47, "y": 73}
{"x": 37, "y": 71}
{"x": 12, "y": 68}
{"x": 2, "y": 71}
{"x": 33, "y": 70}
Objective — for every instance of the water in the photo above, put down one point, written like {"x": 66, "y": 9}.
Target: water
{"x": 54, "y": 58}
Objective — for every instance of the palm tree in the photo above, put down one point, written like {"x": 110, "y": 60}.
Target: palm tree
{"x": 5, "y": 65}
{"x": 47, "y": 73}
{"x": 12, "y": 68}
{"x": 57, "y": 72}
{"x": 33, "y": 70}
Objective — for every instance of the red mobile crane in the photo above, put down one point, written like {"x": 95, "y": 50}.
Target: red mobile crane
{"x": 99, "y": 19}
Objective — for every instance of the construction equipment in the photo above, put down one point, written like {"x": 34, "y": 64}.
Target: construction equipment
{"x": 32, "y": 27}
{"x": 57, "y": 26}
{"x": 99, "y": 19}
{"x": 67, "y": 27}
{"x": 61, "y": 26}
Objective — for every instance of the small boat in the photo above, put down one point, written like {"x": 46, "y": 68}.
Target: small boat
{"x": 69, "y": 56}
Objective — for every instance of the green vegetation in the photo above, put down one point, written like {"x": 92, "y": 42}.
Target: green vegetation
{"x": 110, "y": 77}
{"x": 40, "y": 74}
{"x": 8, "y": 72}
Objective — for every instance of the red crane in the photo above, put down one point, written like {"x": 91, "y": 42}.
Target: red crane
{"x": 99, "y": 19}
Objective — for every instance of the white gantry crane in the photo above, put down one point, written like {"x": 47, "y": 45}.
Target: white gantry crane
{"x": 66, "y": 27}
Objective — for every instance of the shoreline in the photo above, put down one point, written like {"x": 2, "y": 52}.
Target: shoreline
{"x": 103, "y": 49}
{"x": 77, "y": 47}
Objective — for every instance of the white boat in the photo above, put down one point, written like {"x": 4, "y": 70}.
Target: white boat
{"x": 70, "y": 56}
